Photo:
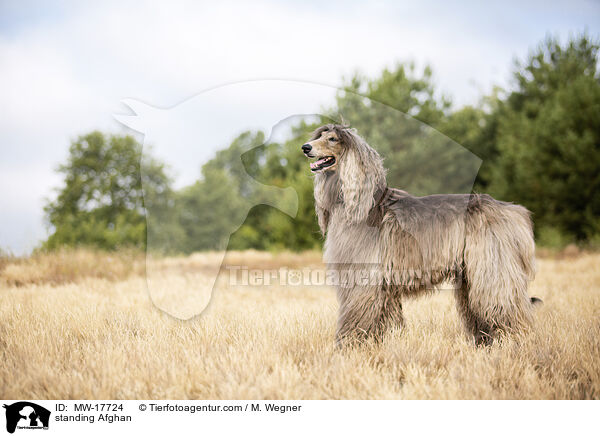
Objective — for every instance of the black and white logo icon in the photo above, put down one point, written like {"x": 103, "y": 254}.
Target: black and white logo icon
{"x": 26, "y": 415}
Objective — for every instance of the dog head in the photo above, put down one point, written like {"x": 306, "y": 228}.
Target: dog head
{"x": 326, "y": 146}
{"x": 358, "y": 168}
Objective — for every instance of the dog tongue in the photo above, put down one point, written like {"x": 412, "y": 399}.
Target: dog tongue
{"x": 316, "y": 164}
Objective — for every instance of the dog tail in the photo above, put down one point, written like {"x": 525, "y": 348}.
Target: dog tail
{"x": 499, "y": 262}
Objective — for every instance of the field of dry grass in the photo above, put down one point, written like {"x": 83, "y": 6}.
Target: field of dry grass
{"x": 80, "y": 325}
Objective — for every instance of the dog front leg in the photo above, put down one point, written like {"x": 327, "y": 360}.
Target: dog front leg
{"x": 366, "y": 312}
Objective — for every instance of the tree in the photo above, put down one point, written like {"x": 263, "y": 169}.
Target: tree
{"x": 281, "y": 165}
{"x": 399, "y": 118}
{"x": 218, "y": 202}
{"x": 540, "y": 146}
{"x": 101, "y": 203}
{"x": 475, "y": 128}
{"x": 548, "y": 140}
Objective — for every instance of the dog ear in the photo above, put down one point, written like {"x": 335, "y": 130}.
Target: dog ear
{"x": 358, "y": 183}
{"x": 346, "y": 137}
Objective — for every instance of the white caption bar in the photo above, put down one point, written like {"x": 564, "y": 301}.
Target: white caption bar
{"x": 298, "y": 417}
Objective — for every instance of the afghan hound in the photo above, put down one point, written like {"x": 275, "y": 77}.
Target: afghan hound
{"x": 411, "y": 244}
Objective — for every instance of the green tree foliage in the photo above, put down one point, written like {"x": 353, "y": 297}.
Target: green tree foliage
{"x": 233, "y": 185}
{"x": 475, "y": 127}
{"x": 399, "y": 118}
{"x": 539, "y": 143}
{"x": 281, "y": 165}
{"x": 211, "y": 207}
{"x": 548, "y": 140}
{"x": 101, "y": 202}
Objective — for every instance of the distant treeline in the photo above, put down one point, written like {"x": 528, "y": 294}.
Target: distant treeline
{"x": 539, "y": 145}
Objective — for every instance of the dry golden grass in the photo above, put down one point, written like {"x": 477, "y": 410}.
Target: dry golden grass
{"x": 67, "y": 266}
{"x": 69, "y": 331}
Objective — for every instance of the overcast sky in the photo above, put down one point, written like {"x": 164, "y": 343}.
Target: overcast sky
{"x": 65, "y": 66}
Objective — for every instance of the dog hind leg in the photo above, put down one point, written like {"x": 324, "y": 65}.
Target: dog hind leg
{"x": 499, "y": 263}
{"x": 479, "y": 329}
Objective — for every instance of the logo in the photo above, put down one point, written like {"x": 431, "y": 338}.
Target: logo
{"x": 26, "y": 415}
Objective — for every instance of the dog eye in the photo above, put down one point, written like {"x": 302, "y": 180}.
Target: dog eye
{"x": 333, "y": 139}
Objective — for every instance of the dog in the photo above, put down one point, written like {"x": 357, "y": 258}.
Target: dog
{"x": 411, "y": 244}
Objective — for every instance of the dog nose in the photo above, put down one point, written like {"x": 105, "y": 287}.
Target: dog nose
{"x": 306, "y": 148}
